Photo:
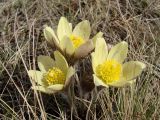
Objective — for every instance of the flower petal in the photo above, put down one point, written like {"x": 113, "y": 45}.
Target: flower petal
{"x": 70, "y": 24}
{"x": 118, "y": 52}
{"x": 122, "y": 83}
{"x": 44, "y": 89}
{"x": 56, "y": 87}
{"x": 131, "y": 81}
{"x": 98, "y": 35}
{"x": 132, "y": 69}
{"x": 45, "y": 63}
{"x": 67, "y": 45}
{"x": 84, "y": 49}
{"x": 70, "y": 73}
{"x": 64, "y": 28}
{"x": 37, "y": 76}
{"x": 50, "y": 36}
{"x": 100, "y": 54}
{"x": 119, "y": 83}
{"x": 61, "y": 61}
{"x": 99, "y": 82}
{"x": 83, "y": 30}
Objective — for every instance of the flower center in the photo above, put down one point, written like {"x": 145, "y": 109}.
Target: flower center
{"x": 54, "y": 76}
{"x": 109, "y": 71}
{"x": 77, "y": 41}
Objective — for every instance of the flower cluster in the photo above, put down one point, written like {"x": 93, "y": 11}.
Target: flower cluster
{"x": 108, "y": 66}
{"x": 54, "y": 75}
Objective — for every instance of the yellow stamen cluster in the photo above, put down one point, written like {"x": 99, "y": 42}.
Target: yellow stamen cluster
{"x": 54, "y": 76}
{"x": 77, "y": 41}
{"x": 109, "y": 71}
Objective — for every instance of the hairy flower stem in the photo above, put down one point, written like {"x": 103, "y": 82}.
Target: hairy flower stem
{"x": 132, "y": 87}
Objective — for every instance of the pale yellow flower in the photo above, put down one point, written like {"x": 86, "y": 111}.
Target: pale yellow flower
{"x": 76, "y": 42}
{"x": 109, "y": 69}
{"x": 54, "y": 75}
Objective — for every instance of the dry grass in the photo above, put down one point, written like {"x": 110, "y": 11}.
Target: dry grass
{"x": 21, "y": 41}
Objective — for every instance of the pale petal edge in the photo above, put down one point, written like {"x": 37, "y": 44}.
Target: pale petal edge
{"x": 67, "y": 46}
{"x": 99, "y": 82}
{"x": 123, "y": 83}
{"x": 43, "y": 89}
{"x": 119, "y": 83}
{"x": 61, "y": 61}
{"x": 50, "y": 36}
{"x": 70, "y": 73}
{"x": 45, "y": 63}
{"x": 56, "y": 87}
{"x": 83, "y": 30}
{"x": 64, "y": 28}
{"x": 118, "y": 52}
{"x": 37, "y": 76}
{"x": 132, "y": 69}
{"x": 98, "y": 35}
{"x": 100, "y": 54}
{"x": 84, "y": 49}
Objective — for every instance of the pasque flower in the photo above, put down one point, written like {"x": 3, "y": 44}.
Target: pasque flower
{"x": 54, "y": 75}
{"x": 109, "y": 69}
{"x": 76, "y": 42}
